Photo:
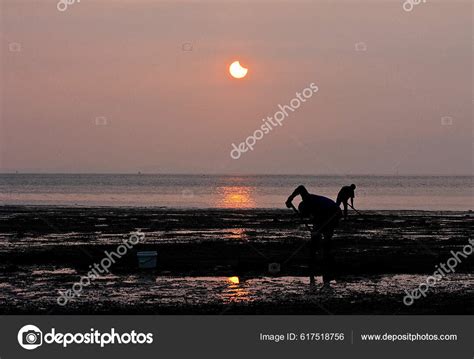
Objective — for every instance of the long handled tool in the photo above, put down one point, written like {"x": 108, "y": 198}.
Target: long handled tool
{"x": 360, "y": 214}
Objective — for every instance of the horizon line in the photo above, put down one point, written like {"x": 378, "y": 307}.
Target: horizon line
{"x": 239, "y": 174}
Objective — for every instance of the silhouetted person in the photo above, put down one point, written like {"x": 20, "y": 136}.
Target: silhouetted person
{"x": 324, "y": 214}
{"x": 346, "y": 193}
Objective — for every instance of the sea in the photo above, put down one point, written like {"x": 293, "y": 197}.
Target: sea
{"x": 439, "y": 193}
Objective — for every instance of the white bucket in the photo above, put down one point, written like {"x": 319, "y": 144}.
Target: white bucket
{"x": 147, "y": 259}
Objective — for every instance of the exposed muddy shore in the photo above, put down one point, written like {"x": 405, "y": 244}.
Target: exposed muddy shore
{"x": 378, "y": 255}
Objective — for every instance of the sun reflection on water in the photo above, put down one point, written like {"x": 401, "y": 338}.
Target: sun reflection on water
{"x": 234, "y": 280}
{"x": 235, "y": 197}
{"x": 237, "y": 233}
{"x": 234, "y": 291}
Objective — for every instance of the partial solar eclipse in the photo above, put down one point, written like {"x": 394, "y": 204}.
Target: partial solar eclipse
{"x": 237, "y": 71}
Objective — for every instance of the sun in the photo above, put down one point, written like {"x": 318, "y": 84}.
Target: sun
{"x": 237, "y": 71}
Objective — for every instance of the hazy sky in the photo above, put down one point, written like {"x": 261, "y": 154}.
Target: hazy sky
{"x": 168, "y": 110}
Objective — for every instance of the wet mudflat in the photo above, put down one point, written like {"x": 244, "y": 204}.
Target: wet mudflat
{"x": 201, "y": 253}
{"x": 36, "y": 291}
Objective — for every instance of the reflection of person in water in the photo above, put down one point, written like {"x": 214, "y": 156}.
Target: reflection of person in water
{"x": 324, "y": 214}
{"x": 346, "y": 193}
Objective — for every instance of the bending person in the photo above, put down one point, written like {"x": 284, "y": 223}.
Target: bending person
{"x": 324, "y": 214}
{"x": 346, "y": 193}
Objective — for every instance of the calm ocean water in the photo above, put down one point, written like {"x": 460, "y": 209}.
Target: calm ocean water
{"x": 212, "y": 191}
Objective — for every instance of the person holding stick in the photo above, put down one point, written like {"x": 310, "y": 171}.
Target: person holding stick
{"x": 346, "y": 193}
{"x": 324, "y": 214}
